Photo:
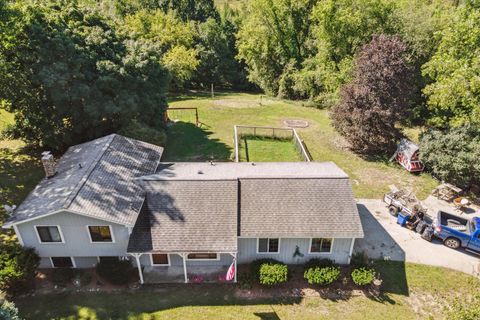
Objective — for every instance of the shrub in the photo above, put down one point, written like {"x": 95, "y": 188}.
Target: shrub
{"x": 322, "y": 276}
{"x": 316, "y": 262}
{"x": 255, "y": 267}
{"x": 17, "y": 268}
{"x": 63, "y": 276}
{"x": 113, "y": 271}
{"x": 273, "y": 273}
{"x": 363, "y": 276}
{"x": 140, "y": 131}
{"x": 8, "y": 311}
{"x": 359, "y": 260}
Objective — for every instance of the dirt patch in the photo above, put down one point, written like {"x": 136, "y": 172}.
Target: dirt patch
{"x": 296, "y": 123}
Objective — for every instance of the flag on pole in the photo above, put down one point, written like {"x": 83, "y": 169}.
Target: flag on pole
{"x": 231, "y": 272}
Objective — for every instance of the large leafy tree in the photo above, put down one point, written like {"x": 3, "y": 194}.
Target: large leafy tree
{"x": 75, "y": 79}
{"x": 453, "y": 155}
{"x": 454, "y": 94}
{"x": 273, "y": 36}
{"x": 376, "y": 98}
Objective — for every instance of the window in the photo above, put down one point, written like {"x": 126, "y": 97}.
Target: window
{"x": 49, "y": 234}
{"x": 62, "y": 262}
{"x": 108, "y": 259}
{"x": 160, "y": 259}
{"x": 268, "y": 245}
{"x": 202, "y": 256}
{"x": 100, "y": 233}
{"x": 321, "y": 245}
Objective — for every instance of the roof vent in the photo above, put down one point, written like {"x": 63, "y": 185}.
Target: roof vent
{"x": 48, "y": 162}
{"x": 200, "y": 172}
{"x": 212, "y": 163}
{"x": 254, "y": 164}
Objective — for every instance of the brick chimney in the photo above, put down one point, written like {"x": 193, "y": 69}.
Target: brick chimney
{"x": 48, "y": 164}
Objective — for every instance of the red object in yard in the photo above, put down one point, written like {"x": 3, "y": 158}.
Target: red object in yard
{"x": 407, "y": 156}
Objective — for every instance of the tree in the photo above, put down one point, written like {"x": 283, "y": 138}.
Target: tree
{"x": 273, "y": 35}
{"x": 376, "y": 98}
{"x": 453, "y": 155}
{"x": 8, "y": 311}
{"x": 72, "y": 78}
{"x": 17, "y": 267}
{"x": 454, "y": 95}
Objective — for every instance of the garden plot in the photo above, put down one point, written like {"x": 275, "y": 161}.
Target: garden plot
{"x": 267, "y": 149}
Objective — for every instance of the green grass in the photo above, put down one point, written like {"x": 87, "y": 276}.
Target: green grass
{"x": 214, "y": 139}
{"x": 264, "y": 149}
{"x": 411, "y": 291}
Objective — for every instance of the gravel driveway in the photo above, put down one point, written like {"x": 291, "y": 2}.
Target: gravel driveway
{"x": 385, "y": 239}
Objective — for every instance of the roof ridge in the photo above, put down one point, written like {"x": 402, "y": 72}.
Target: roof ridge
{"x": 69, "y": 200}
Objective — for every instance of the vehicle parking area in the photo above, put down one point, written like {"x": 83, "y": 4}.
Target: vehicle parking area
{"x": 385, "y": 239}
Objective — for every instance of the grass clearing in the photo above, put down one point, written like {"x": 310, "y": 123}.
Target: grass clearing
{"x": 411, "y": 291}
{"x": 266, "y": 149}
{"x": 214, "y": 139}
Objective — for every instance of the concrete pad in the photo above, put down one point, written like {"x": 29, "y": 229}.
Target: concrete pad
{"x": 385, "y": 239}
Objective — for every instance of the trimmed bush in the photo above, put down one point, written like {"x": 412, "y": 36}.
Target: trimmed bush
{"x": 363, "y": 276}
{"x": 321, "y": 263}
{"x": 273, "y": 273}
{"x": 322, "y": 276}
{"x": 113, "y": 271}
{"x": 255, "y": 267}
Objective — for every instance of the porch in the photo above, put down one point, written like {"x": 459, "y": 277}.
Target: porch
{"x": 185, "y": 267}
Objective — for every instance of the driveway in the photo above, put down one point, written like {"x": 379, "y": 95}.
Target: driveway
{"x": 385, "y": 239}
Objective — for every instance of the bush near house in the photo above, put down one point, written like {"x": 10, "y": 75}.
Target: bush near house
{"x": 17, "y": 268}
{"x": 273, "y": 273}
{"x": 322, "y": 276}
{"x": 363, "y": 276}
{"x": 8, "y": 311}
{"x": 115, "y": 272}
{"x": 317, "y": 262}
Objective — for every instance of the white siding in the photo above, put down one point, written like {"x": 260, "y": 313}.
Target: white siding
{"x": 77, "y": 241}
{"x": 247, "y": 251}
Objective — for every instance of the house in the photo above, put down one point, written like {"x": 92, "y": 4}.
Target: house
{"x": 407, "y": 155}
{"x": 113, "y": 198}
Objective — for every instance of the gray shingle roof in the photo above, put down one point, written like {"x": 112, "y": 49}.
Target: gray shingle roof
{"x": 203, "y": 207}
{"x": 96, "y": 179}
{"x": 187, "y": 216}
{"x": 289, "y": 208}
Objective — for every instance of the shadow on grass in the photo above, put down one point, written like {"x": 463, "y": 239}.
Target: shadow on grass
{"x": 198, "y": 95}
{"x": 186, "y": 142}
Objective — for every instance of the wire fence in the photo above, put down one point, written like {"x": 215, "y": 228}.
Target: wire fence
{"x": 241, "y": 131}
{"x": 183, "y": 114}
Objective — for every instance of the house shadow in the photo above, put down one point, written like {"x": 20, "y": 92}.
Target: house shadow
{"x": 187, "y": 142}
{"x": 388, "y": 256}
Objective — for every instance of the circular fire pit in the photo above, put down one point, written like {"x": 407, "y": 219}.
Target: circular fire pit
{"x": 295, "y": 123}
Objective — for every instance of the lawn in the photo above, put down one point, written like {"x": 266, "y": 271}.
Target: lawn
{"x": 264, "y": 149}
{"x": 410, "y": 292}
{"x": 213, "y": 140}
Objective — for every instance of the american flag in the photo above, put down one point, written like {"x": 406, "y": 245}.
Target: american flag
{"x": 231, "y": 272}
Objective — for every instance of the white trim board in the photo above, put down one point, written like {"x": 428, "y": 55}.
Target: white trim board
{"x": 49, "y": 225}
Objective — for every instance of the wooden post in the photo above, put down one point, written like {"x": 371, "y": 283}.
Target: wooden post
{"x": 213, "y": 95}
{"x": 139, "y": 266}
{"x": 351, "y": 251}
{"x": 196, "y": 117}
{"x": 235, "y": 257}
{"x": 184, "y": 255}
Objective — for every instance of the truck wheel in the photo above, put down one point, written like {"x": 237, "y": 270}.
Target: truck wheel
{"x": 393, "y": 211}
{"x": 452, "y": 243}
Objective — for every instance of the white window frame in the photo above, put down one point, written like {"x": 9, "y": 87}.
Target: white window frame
{"x": 310, "y": 246}
{"x": 100, "y": 225}
{"x": 49, "y": 225}
{"x": 268, "y": 245}
{"x": 74, "y": 265}
{"x": 216, "y": 259}
{"x": 161, "y": 265}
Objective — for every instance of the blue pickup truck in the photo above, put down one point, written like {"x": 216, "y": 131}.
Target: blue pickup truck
{"x": 457, "y": 232}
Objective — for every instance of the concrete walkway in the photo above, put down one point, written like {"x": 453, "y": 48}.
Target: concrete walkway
{"x": 385, "y": 239}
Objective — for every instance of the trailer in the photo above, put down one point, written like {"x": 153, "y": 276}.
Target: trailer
{"x": 403, "y": 201}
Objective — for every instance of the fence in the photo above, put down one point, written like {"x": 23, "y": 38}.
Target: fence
{"x": 171, "y": 112}
{"x": 272, "y": 132}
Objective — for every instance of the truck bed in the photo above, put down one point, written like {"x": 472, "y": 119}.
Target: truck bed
{"x": 453, "y": 221}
